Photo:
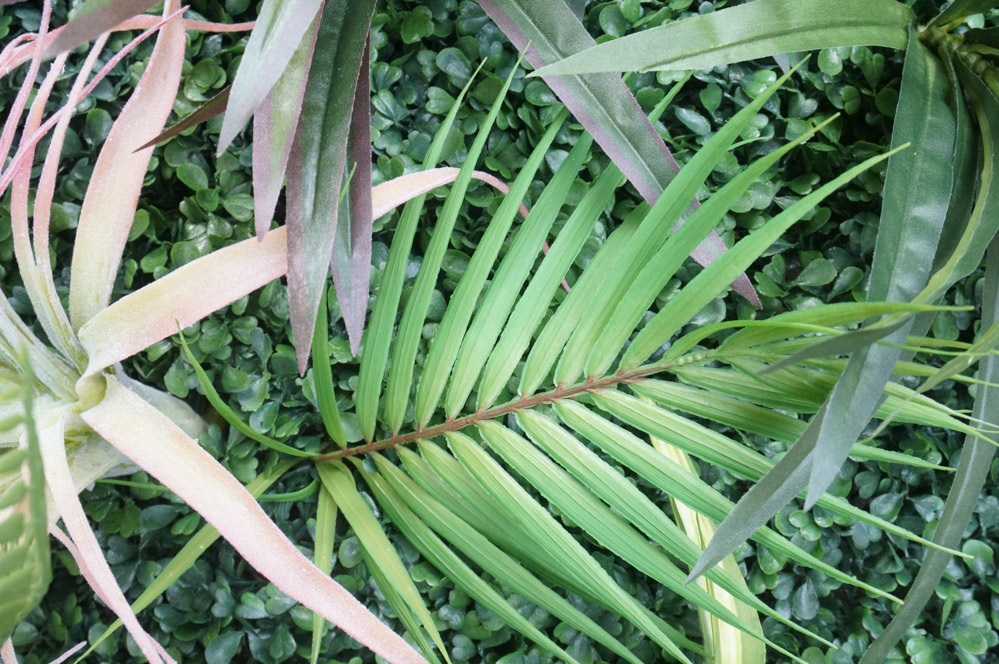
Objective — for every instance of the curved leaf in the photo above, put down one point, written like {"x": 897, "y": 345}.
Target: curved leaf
{"x": 93, "y": 18}
{"x": 752, "y": 30}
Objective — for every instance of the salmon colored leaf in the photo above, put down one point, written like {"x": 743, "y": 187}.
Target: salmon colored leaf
{"x": 93, "y": 18}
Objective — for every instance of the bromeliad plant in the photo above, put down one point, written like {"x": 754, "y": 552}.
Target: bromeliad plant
{"x": 940, "y": 212}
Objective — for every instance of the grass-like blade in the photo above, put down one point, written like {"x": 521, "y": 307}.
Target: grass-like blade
{"x": 448, "y": 338}
{"x": 228, "y": 414}
{"x": 326, "y": 513}
{"x": 338, "y": 480}
{"x": 322, "y": 373}
{"x": 972, "y": 474}
{"x": 378, "y": 336}
{"x": 746, "y": 32}
{"x": 962, "y": 9}
{"x": 208, "y": 110}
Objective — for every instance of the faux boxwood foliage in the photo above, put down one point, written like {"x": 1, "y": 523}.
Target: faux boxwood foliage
{"x": 422, "y": 54}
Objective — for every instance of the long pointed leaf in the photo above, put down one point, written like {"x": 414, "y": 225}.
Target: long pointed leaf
{"x": 603, "y": 104}
{"x": 93, "y": 18}
{"x": 281, "y": 26}
{"x": 746, "y": 32}
{"x": 166, "y": 453}
{"x": 316, "y": 166}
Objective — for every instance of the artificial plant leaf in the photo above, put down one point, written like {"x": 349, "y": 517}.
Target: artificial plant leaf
{"x": 338, "y": 480}
{"x": 960, "y": 9}
{"x": 25, "y": 570}
{"x": 155, "y": 444}
{"x": 916, "y": 196}
{"x": 318, "y": 156}
{"x": 109, "y": 205}
{"x": 710, "y": 282}
{"x": 410, "y": 329}
{"x": 322, "y": 374}
{"x": 326, "y": 512}
{"x": 746, "y": 32}
{"x": 153, "y": 312}
{"x": 726, "y": 645}
{"x": 547, "y": 32}
{"x": 443, "y": 558}
{"x": 88, "y": 554}
{"x": 274, "y": 123}
{"x": 969, "y": 480}
{"x": 840, "y": 344}
{"x": 280, "y": 28}
{"x": 210, "y": 109}
{"x": 532, "y": 516}
{"x": 93, "y": 18}
{"x": 351, "y": 262}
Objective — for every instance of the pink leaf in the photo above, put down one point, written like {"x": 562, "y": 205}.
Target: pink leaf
{"x": 153, "y": 442}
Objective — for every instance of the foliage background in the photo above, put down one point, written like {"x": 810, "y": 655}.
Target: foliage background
{"x": 423, "y": 53}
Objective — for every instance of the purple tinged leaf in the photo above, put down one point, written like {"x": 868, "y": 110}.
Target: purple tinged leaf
{"x": 352, "y": 248}
{"x": 319, "y": 152}
{"x": 275, "y": 40}
{"x": 93, "y": 18}
{"x": 602, "y": 103}
{"x": 210, "y": 109}
{"x": 274, "y": 124}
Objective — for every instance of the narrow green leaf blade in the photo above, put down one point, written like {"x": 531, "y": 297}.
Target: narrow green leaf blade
{"x": 316, "y": 165}
{"x": 746, "y": 32}
{"x": 322, "y": 374}
{"x": 960, "y": 9}
{"x": 210, "y": 109}
{"x": 972, "y": 474}
{"x": 337, "y": 479}
{"x": 603, "y": 104}
{"x": 323, "y": 558}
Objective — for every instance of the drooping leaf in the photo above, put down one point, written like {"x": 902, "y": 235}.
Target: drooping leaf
{"x": 603, "y": 104}
{"x": 960, "y": 9}
{"x": 319, "y": 152}
{"x": 972, "y": 474}
{"x": 93, "y": 18}
{"x": 746, "y": 32}
{"x": 162, "y": 450}
{"x": 281, "y": 26}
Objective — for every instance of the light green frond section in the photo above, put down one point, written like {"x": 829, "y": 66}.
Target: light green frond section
{"x": 530, "y": 310}
{"x": 338, "y": 480}
{"x": 24, "y": 542}
{"x": 410, "y": 330}
{"x": 554, "y": 538}
{"x": 379, "y": 332}
{"x": 509, "y": 279}
{"x": 653, "y": 231}
{"x": 711, "y": 446}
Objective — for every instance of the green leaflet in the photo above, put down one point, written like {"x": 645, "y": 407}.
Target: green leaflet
{"x": 530, "y": 310}
{"x": 323, "y": 558}
{"x": 25, "y": 570}
{"x": 280, "y": 27}
{"x": 316, "y": 165}
{"x": 403, "y": 500}
{"x": 657, "y": 225}
{"x": 322, "y": 374}
{"x": 508, "y": 281}
{"x": 596, "y": 519}
{"x": 208, "y": 110}
{"x": 93, "y": 18}
{"x": 960, "y": 9}
{"x": 553, "y": 537}
{"x": 746, "y": 32}
{"x": 378, "y": 335}
{"x": 716, "y": 277}
{"x": 450, "y": 333}
{"x": 411, "y": 326}
{"x": 618, "y": 492}
{"x": 338, "y": 480}
{"x": 682, "y": 485}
